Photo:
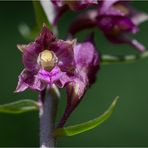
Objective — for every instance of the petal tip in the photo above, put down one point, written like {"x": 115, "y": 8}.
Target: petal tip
{"x": 21, "y": 47}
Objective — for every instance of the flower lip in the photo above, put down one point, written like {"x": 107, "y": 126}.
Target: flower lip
{"x": 47, "y": 59}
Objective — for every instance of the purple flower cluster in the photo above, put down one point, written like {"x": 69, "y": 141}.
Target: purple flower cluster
{"x": 115, "y": 18}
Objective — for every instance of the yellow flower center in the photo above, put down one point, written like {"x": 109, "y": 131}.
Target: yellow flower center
{"x": 47, "y": 59}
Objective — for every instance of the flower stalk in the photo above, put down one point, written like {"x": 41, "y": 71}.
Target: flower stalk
{"x": 47, "y": 115}
{"x": 110, "y": 59}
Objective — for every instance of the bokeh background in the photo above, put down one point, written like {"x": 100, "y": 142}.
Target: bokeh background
{"x": 128, "y": 126}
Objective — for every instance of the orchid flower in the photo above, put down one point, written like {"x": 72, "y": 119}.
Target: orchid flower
{"x": 47, "y": 60}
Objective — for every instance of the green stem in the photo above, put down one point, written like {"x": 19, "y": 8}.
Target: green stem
{"x": 110, "y": 59}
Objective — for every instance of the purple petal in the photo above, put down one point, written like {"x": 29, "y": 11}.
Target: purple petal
{"x": 56, "y": 76}
{"x": 106, "y": 8}
{"x": 45, "y": 37}
{"x": 30, "y": 55}
{"x": 75, "y": 5}
{"x": 139, "y": 18}
{"x": 116, "y": 24}
{"x": 28, "y": 79}
{"x": 50, "y": 77}
{"x": 87, "y": 61}
{"x": 87, "y": 64}
{"x": 32, "y": 50}
{"x": 136, "y": 45}
{"x": 21, "y": 86}
{"x": 81, "y": 4}
{"x": 106, "y": 4}
{"x": 123, "y": 39}
{"x": 64, "y": 53}
{"x": 58, "y": 3}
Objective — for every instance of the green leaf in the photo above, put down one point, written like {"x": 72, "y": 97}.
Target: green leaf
{"x": 20, "y": 106}
{"x": 40, "y": 15}
{"x": 83, "y": 127}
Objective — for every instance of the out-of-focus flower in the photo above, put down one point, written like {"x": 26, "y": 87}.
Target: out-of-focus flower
{"x": 54, "y": 9}
{"x": 75, "y": 4}
{"x": 115, "y": 18}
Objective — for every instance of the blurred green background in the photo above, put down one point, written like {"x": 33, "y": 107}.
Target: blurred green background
{"x": 128, "y": 126}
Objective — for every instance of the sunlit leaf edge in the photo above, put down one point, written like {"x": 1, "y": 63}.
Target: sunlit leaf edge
{"x": 18, "y": 107}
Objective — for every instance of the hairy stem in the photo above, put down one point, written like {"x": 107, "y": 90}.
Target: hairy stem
{"x": 48, "y": 111}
